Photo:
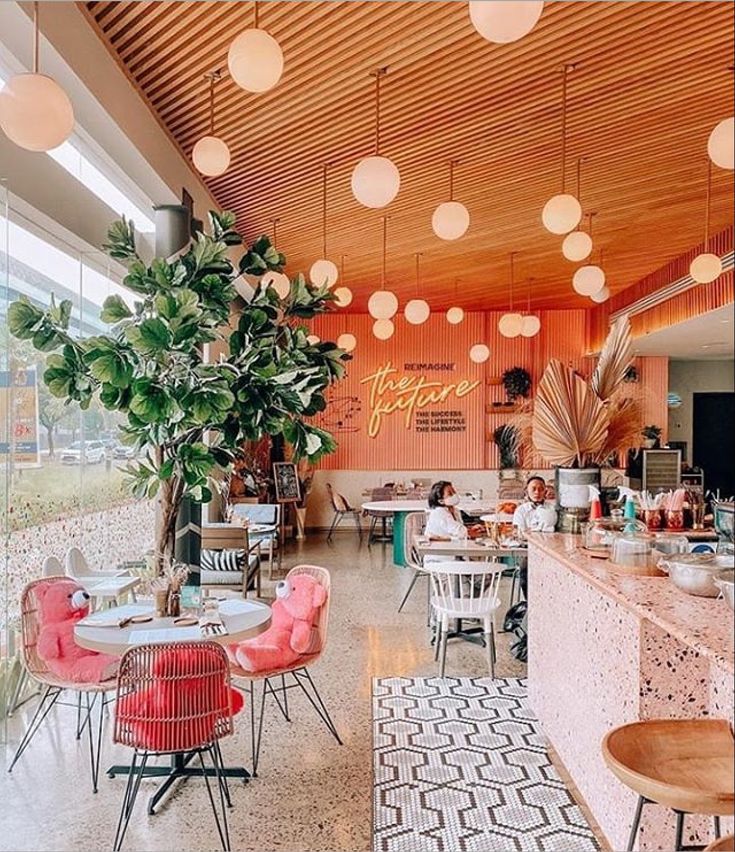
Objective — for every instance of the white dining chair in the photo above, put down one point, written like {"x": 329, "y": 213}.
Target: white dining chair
{"x": 76, "y": 566}
{"x": 465, "y": 591}
{"x": 52, "y": 567}
{"x": 413, "y": 526}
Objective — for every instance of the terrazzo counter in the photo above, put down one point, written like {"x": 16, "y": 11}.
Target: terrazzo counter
{"x": 606, "y": 649}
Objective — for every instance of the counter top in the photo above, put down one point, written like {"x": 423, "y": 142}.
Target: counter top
{"x": 703, "y": 624}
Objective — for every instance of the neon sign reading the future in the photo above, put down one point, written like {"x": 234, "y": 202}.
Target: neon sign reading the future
{"x": 391, "y": 392}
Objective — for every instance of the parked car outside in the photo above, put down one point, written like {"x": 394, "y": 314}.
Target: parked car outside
{"x": 84, "y": 452}
{"x": 121, "y": 451}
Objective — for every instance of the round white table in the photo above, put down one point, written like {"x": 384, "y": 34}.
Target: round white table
{"x": 243, "y": 619}
{"x": 401, "y": 508}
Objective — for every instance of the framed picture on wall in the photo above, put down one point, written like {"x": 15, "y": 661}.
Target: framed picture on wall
{"x": 286, "y": 480}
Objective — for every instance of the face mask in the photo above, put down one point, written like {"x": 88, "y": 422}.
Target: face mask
{"x": 453, "y": 500}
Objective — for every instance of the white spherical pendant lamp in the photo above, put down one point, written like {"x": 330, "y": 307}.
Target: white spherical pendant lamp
{"x": 505, "y": 21}
{"x": 576, "y": 246}
{"x": 562, "y": 213}
{"x": 382, "y": 305}
{"x": 255, "y": 60}
{"x": 530, "y": 326}
{"x": 588, "y": 280}
{"x": 35, "y": 112}
{"x": 211, "y": 156}
{"x": 602, "y": 296}
{"x": 279, "y": 282}
{"x": 455, "y": 315}
{"x": 510, "y": 324}
{"x": 347, "y": 342}
{"x": 721, "y": 144}
{"x": 342, "y": 296}
{"x": 417, "y": 311}
{"x": 323, "y": 273}
{"x": 479, "y": 353}
{"x": 383, "y": 329}
{"x": 450, "y": 220}
{"x": 705, "y": 268}
{"x": 375, "y": 181}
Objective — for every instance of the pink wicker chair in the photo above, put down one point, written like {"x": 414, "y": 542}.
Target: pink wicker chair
{"x": 174, "y": 699}
{"x": 55, "y": 685}
{"x": 298, "y": 670}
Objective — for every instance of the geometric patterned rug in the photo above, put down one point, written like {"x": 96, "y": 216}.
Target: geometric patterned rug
{"x": 460, "y": 766}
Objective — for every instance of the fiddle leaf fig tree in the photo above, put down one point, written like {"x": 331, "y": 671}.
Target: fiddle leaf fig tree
{"x": 187, "y": 415}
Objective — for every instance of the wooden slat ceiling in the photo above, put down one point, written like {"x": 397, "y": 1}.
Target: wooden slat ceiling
{"x": 651, "y": 80}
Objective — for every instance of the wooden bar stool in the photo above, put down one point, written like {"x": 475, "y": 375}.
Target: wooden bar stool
{"x": 722, "y": 844}
{"x": 683, "y": 764}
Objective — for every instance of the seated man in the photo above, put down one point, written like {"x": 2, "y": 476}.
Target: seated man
{"x": 535, "y": 514}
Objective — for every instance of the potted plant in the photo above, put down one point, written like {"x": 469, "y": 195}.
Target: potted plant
{"x": 577, "y": 425}
{"x": 506, "y": 439}
{"x": 305, "y": 471}
{"x": 150, "y": 367}
{"x": 517, "y": 383}
{"x": 651, "y": 436}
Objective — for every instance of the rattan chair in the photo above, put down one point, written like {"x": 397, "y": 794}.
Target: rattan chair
{"x": 341, "y": 508}
{"x": 298, "y": 670}
{"x": 174, "y": 699}
{"x": 414, "y": 526}
{"x": 94, "y": 694}
{"x": 465, "y": 591}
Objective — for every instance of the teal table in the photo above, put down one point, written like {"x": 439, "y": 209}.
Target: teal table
{"x": 401, "y": 508}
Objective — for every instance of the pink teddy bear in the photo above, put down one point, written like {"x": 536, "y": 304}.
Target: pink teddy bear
{"x": 292, "y": 630}
{"x": 63, "y": 603}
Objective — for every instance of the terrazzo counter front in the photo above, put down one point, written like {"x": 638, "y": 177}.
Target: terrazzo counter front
{"x": 606, "y": 649}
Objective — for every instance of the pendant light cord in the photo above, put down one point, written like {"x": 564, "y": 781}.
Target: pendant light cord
{"x": 274, "y": 223}
{"x": 36, "y": 37}
{"x": 211, "y": 105}
{"x": 212, "y": 77}
{"x": 418, "y": 273}
{"x": 256, "y": 16}
{"x": 707, "y": 204}
{"x": 512, "y": 276}
{"x": 589, "y": 227}
{"x": 567, "y": 69}
{"x": 452, "y": 164}
{"x": 579, "y": 179}
{"x": 324, "y": 210}
{"x": 380, "y": 72}
{"x": 385, "y": 242}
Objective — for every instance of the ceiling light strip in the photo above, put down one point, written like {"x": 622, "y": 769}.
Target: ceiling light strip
{"x": 663, "y": 294}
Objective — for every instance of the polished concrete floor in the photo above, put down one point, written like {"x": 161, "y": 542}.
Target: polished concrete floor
{"x": 310, "y": 794}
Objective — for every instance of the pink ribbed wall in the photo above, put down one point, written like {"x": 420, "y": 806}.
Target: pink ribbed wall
{"x": 562, "y": 336}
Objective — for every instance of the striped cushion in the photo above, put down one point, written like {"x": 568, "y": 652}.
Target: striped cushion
{"x": 229, "y": 559}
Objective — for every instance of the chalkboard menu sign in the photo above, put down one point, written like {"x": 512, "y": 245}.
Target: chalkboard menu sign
{"x": 286, "y": 481}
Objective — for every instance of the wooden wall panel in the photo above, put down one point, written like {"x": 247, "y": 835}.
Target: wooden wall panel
{"x": 698, "y": 300}
{"x": 396, "y": 448}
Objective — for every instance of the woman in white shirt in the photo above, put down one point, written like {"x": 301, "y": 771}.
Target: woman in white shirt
{"x": 444, "y": 521}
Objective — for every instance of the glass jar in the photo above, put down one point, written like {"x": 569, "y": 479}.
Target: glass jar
{"x": 674, "y": 519}
{"x": 670, "y": 544}
{"x": 653, "y": 519}
{"x": 600, "y": 534}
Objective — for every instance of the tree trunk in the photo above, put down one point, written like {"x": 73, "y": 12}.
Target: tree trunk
{"x": 50, "y": 438}
{"x": 169, "y": 503}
